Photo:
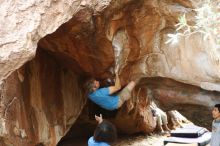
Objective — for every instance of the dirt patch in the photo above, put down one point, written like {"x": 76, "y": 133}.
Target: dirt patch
{"x": 141, "y": 140}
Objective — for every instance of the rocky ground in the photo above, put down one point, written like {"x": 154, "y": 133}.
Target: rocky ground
{"x": 141, "y": 140}
{"x": 136, "y": 140}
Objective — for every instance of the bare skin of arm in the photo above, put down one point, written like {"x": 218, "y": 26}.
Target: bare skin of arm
{"x": 99, "y": 118}
{"x": 116, "y": 87}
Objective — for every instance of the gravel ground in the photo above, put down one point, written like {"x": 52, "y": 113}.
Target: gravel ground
{"x": 141, "y": 140}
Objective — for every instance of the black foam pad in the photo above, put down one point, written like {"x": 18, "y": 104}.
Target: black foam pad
{"x": 188, "y": 131}
{"x": 203, "y": 140}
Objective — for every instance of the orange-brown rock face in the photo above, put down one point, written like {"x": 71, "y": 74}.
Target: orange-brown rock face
{"x": 44, "y": 98}
{"x": 193, "y": 102}
{"x": 40, "y": 102}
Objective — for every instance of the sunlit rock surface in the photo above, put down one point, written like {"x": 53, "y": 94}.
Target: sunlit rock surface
{"x": 24, "y": 23}
{"x": 80, "y": 39}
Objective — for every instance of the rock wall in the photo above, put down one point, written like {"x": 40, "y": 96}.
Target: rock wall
{"x": 40, "y": 102}
{"x": 23, "y": 24}
{"x": 129, "y": 37}
{"x": 81, "y": 39}
{"x": 192, "y": 101}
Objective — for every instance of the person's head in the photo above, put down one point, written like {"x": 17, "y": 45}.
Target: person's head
{"x": 92, "y": 85}
{"x": 105, "y": 132}
{"x": 216, "y": 111}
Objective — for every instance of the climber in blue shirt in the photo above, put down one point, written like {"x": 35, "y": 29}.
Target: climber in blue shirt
{"x": 105, "y": 97}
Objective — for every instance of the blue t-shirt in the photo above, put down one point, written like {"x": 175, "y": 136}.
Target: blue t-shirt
{"x": 104, "y": 99}
{"x": 92, "y": 142}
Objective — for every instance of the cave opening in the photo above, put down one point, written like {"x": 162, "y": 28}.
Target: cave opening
{"x": 44, "y": 101}
{"x": 54, "y": 95}
{"x": 54, "y": 86}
